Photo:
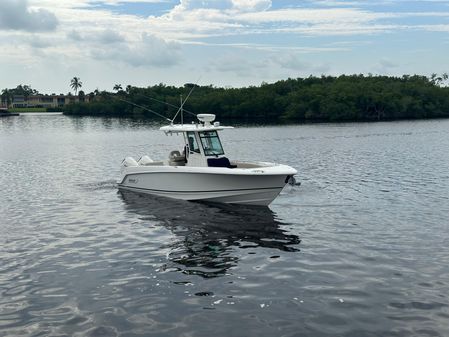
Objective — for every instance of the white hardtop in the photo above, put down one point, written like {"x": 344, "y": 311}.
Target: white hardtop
{"x": 175, "y": 128}
{"x": 204, "y": 125}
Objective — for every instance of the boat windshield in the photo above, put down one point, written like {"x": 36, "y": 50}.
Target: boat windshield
{"x": 211, "y": 143}
{"x": 193, "y": 145}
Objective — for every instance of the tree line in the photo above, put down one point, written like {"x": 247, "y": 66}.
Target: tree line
{"x": 325, "y": 98}
{"x": 23, "y": 90}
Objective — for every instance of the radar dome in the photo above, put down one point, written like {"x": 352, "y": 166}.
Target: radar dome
{"x": 206, "y": 118}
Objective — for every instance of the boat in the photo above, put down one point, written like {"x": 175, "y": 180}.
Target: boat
{"x": 200, "y": 170}
{"x": 6, "y": 113}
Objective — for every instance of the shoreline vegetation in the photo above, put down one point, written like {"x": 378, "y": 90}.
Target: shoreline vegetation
{"x": 312, "y": 99}
{"x": 345, "y": 98}
{"x": 34, "y": 110}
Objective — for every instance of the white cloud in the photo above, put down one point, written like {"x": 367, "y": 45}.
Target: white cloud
{"x": 117, "y": 2}
{"x": 99, "y": 37}
{"x": 386, "y": 63}
{"x": 291, "y": 61}
{"x": 16, "y": 15}
{"x": 434, "y": 28}
{"x": 237, "y": 5}
{"x": 195, "y": 19}
{"x": 204, "y": 4}
{"x": 253, "y": 39}
{"x": 250, "y": 64}
{"x": 37, "y": 42}
{"x": 251, "y": 5}
{"x": 74, "y": 35}
{"x": 149, "y": 51}
{"x": 385, "y": 66}
{"x": 313, "y": 16}
{"x": 238, "y": 64}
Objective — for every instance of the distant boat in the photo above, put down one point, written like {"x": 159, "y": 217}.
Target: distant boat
{"x": 5, "y": 113}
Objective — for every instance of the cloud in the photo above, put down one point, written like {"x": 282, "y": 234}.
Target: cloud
{"x": 298, "y": 62}
{"x": 16, "y": 15}
{"x": 251, "y": 65}
{"x": 290, "y": 61}
{"x": 251, "y": 5}
{"x": 109, "y": 37}
{"x": 197, "y": 19}
{"x": 37, "y": 42}
{"x": 117, "y": 2}
{"x": 75, "y": 36}
{"x": 237, "y": 64}
{"x": 148, "y": 51}
{"x": 188, "y": 5}
{"x": 313, "y": 16}
{"x": 239, "y": 5}
{"x": 387, "y": 63}
{"x": 237, "y": 41}
{"x": 103, "y": 37}
{"x": 385, "y": 66}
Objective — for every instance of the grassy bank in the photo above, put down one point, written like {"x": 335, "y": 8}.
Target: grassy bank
{"x": 25, "y": 110}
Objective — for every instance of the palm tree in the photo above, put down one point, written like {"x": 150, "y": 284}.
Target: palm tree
{"x": 117, "y": 87}
{"x": 75, "y": 84}
{"x": 6, "y": 97}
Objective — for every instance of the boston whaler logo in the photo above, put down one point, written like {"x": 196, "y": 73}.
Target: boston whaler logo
{"x": 133, "y": 180}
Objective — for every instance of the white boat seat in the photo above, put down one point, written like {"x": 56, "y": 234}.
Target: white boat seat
{"x": 154, "y": 163}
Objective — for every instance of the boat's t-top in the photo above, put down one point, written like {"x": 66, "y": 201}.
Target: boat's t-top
{"x": 202, "y": 144}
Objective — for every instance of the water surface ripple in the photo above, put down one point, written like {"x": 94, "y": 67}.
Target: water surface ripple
{"x": 361, "y": 248}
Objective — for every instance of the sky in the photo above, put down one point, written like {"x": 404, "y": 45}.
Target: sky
{"x": 226, "y": 43}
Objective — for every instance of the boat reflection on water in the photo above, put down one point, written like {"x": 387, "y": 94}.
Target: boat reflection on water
{"x": 209, "y": 235}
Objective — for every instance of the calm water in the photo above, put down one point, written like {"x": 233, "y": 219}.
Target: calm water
{"x": 361, "y": 248}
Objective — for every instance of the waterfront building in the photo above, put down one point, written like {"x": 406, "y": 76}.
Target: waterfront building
{"x": 43, "y": 101}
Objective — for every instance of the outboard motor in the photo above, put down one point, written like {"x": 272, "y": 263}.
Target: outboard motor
{"x": 129, "y": 162}
{"x": 145, "y": 160}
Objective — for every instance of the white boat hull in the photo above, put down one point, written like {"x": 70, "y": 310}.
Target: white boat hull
{"x": 238, "y": 186}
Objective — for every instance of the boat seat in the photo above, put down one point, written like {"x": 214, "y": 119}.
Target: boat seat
{"x": 154, "y": 163}
{"x": 220, "y": 162}
{"x": 176, "y": 158}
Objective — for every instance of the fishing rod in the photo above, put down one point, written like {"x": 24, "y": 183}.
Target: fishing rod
{"x": 145, "y": 108}
{"x": 169, "y": 104}
{"x": 181, "y": 108}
